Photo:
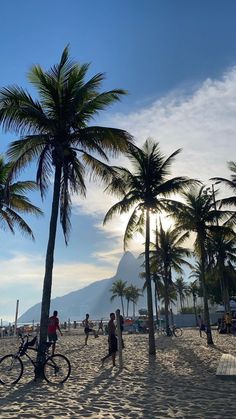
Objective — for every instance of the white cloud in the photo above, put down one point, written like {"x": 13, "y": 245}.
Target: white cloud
{"x": 202, "y": 123}
{"x": 25, "y": 271}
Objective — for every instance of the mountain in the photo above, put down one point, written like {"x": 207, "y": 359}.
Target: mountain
{"x": 95, "y": 298}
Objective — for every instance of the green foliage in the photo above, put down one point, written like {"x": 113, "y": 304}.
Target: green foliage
{"x": 14, "y": 202}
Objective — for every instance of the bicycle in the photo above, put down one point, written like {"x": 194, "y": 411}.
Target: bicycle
{"x": 56, "y": 368}
{"x": 172, "y": 331}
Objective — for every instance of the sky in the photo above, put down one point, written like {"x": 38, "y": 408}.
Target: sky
{"x": 176, "y": 59}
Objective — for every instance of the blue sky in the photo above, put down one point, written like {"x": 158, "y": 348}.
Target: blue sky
{"x": 176, "y": 58}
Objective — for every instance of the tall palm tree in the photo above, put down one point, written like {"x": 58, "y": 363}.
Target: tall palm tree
{"x": 118, "y": 289}
{"x": 128, "y": 296}
{"x": 198, "y": 214}
{"x": 229, "y": 183}
{"x": 55, "y": 130}
{"x": 13, "y": 201}
{"x": 144, "y": 191}
{"x": 181, "y": 287}
{"x": 193, "y": 290}
{"x": 168, "y": 254}
{"x": 222, "y": 243}
{"x": 135, "y": 293}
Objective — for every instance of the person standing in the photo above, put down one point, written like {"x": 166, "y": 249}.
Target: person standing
{"x": 53, "y": 326}
{"x": 112, "y": 341}
{"x": 228, "y": 322}
{"x": 100, "y": 326}
{"x": 88, "y": 329}
{"x": 201, "y": 325}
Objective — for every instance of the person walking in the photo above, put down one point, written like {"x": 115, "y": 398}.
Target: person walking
{"x": 53, "y": 326}
{"x": 112, "y": 341}
{"x": 88, "y": 329}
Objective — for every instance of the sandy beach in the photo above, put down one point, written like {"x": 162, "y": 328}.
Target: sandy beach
{"x": 179, "y": 383}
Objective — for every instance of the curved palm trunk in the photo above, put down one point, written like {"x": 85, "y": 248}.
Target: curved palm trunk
{"x": 152, "y": 348}
{"x": 205, "y": 297}
{"x": 47, "y": 284}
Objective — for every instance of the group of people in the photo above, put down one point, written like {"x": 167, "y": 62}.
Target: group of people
{"x": 53, "y": 326}
{"x": 224, "y": 324}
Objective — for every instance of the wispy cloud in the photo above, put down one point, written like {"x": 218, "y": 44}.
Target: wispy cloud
{"x": 201, "y": 122}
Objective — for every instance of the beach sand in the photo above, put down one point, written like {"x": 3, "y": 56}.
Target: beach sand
{"x": 180, "y": 382}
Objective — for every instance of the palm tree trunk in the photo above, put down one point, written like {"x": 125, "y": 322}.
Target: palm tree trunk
{"x": 166, "y": 299}
{"x": 195, "y": 310}
{"x": 156, "y": 307}
{"x": 47, "y": 284}
{"x": 127, "y": 308}
{"x": 152, "y": 348}
{"x": 205, "y": 297}
{"x": 122, "y": 305}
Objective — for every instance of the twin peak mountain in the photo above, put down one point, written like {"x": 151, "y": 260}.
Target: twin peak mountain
{"x": 95, "y": 298}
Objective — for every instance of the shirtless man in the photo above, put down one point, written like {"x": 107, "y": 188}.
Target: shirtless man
{"x": 112, "y": 341}
{"x": 88, "y": 329}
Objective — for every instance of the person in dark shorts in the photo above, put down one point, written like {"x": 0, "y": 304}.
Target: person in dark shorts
{"x": 100, "y": 326}
{"x": 53, "y": 326}
{"x": 88, "y": 329}
{"x": 112, "y": 341}
{"x": 201, "y": 325}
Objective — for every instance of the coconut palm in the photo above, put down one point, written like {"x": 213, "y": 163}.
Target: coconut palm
{"x": 13, "y": 201}
{"x": 128, "y": 296}
{"x": 55, "y": 130}
{"x": 181, "y": 287}
{"x": 144, "y": 191}
{"x": 168, "y": 255}
{"x": 193, "y": 291}
{"x": 134, "y": 293}
{"x": 118, "y": 289}
{"x": 231, "y": 184}
{"x": 198, "y": 215}
{"x": 222, "y": 244}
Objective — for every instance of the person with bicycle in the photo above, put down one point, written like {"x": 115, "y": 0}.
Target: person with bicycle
{"x": 53, "y": 326}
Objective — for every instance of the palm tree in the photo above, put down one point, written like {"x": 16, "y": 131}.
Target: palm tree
{"x": 13, "y": 201}
{"x": 144, "y": 192}
{"x": 168, "y": 254}
{"x": 222, "y": 243}
{"x": 198, "y": 215}
{"x": 128, "y": 296}
{"x": 229, "y": 183}
{"x": 118, "y": 289}
{"x": 181, "y": 287}
{"x": 135, "y": 293}
{"x": 54, "y": 130}
{"x": 193, "y": 290}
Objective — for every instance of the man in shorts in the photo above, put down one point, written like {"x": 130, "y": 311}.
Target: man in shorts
{"x": 112, "y": 341}
{"x": 88, "y": 329}
{"x": 53, "y": 326}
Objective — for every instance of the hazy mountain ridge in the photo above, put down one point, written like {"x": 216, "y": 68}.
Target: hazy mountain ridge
{"x": 95, "y": 297}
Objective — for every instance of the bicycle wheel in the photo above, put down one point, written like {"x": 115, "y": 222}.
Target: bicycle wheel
{"x": 177, "y": 332}
{"x": 11, "y": 369}
{"x": 57, "y": 369}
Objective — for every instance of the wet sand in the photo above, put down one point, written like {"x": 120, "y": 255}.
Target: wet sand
{"x": 180, "y": 382}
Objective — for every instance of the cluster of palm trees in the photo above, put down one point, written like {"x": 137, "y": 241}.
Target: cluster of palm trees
{"x": 130, "y": 292}
{"x": 54, "y": 130}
